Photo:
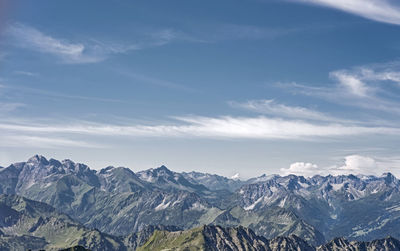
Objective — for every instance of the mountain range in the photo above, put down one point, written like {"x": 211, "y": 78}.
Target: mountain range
{"x": 114, "y": 206}
{"x": 27, "y": 224}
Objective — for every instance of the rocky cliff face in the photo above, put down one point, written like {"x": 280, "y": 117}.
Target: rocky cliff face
{"x": 235, "y": 238}
{"x": 387, "y": 243}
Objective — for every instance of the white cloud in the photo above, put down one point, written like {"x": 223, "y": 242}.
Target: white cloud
{"x": 352, "y": 164}
{"x": 385, "y": 11}
{"x": 29, "y": 37}
{"x": 301, "y": 169}
{"x": 42, "y": 92}
{"x": 90, "y": 51}
{"x": 210, "y": 127}
{"x": 271, "y": 107}
{"x": 356, "y": 164}
{"x": 365, "y": 87}
{"x": 351, "y": 82}
{"x": 360, "y": 81}
{"x": 27, "y": 141}
{"x": 379, "y": 72}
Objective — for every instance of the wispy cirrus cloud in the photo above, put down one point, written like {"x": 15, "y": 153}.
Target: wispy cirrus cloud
{"x": 31, "y": 38}
{"x": 93, "y": 50}
{"x": 27, "y": 141}
{"x": 207, "y": 127}
{"x": 7, "y": 107}
{"x": 366, "y": 87}
{"x": 26, "y": 73}
{"x": 365, "y": 81}
{"x": 88, "y": 51}
{"x": 386, "y": 11}
{"x": 351, "y": 82}
{"x": 140, "y": 78}
{"x": 46, "y": 93}
{"x": 271, "y": 107}
{"x": 217, "y": 32}
{"x": 244, "y": 32}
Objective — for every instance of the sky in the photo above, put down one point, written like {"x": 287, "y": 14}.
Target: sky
{"x": 252, "y": 87}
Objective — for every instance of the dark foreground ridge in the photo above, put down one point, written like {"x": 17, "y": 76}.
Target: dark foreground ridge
{"x": 215, "y": 238}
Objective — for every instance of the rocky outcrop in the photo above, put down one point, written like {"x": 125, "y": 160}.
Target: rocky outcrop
{"x": 338, "y": 244}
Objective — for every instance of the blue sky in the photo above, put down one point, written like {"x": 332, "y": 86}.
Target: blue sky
{"x": 250, "y": 87}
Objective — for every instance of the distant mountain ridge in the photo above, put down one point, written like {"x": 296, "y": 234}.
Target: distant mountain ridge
{"x": 118, "y": 201}
{"x": 213, "y": 181}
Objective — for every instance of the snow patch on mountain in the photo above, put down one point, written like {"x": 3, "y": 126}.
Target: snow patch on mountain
{"x": 251, "y": 207}
{"x": 236, "y": 176}
{"x": 197, "y": 206}
{"x": 336, "y": 187}
{"x": 163, "y": 205}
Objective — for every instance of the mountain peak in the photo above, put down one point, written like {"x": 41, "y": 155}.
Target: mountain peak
{"x": 38, "y": 159}
{"x": 388, "y": 174}
{"x": 68, "y": 163}
{"x": 163, "y": 169}
{"x": 106, "y": 170}
{"x": 389, "y": 177}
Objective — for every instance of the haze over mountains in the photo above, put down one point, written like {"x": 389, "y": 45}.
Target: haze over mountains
{"x": 112, "y": 206}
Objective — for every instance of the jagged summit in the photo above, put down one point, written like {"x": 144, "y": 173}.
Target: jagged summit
{"x": 164, "y": 178}
{"x": 388, "y": 243}
{"x": 389, "y": 177}
{"x": 38, "y": 159}
{"x": 163, "y": 168}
